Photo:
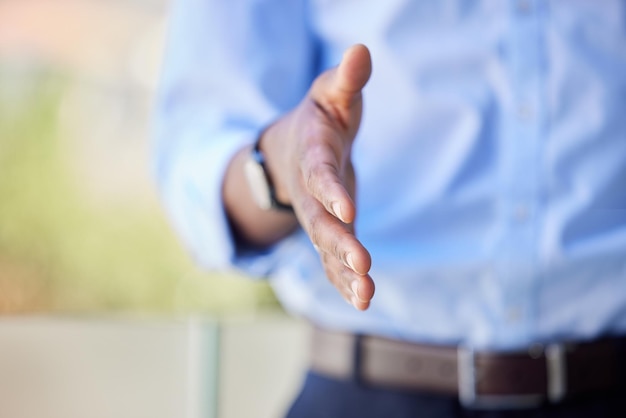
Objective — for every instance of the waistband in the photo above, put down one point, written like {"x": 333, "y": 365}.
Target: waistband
{"x": 480, "y": 379}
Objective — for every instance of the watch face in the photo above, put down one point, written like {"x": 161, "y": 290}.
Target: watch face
{"x": 257, "y": 181}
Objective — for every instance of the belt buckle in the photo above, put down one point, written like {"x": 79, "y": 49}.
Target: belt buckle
{"x": 471, "y": 399}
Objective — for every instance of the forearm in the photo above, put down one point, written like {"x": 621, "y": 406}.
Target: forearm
{"x": 252, "y": 225}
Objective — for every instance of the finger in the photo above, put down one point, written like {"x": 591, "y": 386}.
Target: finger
{"x": 341, "y": 86}
{"x": 356, "y": 289}
{"x": 320, "y": 171}
{"x": 331, "y": 236}
{"x": 354, "y": 71}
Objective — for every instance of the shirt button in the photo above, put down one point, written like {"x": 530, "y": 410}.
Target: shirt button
{"x": 486, "y": 280}
{"x": 524, "y": 112}
{"x": 524, "y": 6}
{"x": 514, "y": 314}
{"x": 521, "y": 213}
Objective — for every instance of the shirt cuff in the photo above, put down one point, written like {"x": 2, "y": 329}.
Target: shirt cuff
{"x": 192, "y": 189}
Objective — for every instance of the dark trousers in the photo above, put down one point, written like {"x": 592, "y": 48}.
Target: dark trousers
{"x": 322, "y": 397}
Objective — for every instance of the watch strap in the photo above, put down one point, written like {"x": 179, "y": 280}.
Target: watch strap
{"x": 258, "y": 156}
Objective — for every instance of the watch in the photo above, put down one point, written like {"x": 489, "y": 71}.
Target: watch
{"x": 261, "y": 186}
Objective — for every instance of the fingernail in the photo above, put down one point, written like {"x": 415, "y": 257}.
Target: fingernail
{"x": 350, "y": 261}
{"x": 355, "y": 288}
{"x": 337, "y": 210}
{"x": 354, "y": 301}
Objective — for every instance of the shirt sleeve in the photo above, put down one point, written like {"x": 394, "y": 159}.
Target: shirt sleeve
{"x": 230, "y": 68}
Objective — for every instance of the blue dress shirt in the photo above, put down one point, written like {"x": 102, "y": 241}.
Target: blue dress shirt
{"x": 491, "y": 160}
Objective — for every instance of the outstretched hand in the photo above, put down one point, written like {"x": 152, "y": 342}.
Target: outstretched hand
{"x": 308, "y": 153}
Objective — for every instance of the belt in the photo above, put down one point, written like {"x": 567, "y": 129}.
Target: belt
{"x": 480, "y": 379}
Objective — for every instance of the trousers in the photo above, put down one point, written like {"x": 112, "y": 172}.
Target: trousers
{"x": 324, "y": 397}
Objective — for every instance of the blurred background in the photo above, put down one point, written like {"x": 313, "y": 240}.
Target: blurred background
{"x": 87, "y": 259}
{"x": 81, "y": 228}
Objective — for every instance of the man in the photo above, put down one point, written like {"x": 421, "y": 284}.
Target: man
{"x": 475, "y": 178}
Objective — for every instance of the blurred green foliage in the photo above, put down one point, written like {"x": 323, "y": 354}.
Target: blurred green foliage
{"x": 59, "y": 253}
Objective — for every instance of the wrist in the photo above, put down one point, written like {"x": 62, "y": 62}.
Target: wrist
{"x": 261, "y": 181}
{"x": 270, "y": 151}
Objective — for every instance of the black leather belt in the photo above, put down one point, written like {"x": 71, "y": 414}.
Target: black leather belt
{"x": 502, "y": 380}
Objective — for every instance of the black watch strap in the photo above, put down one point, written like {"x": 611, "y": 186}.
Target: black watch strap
{"x": 258, "y": 156}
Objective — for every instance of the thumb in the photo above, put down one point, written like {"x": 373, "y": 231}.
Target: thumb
{"x": 342, "y": 85}
{"x": 353, "y": 72}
